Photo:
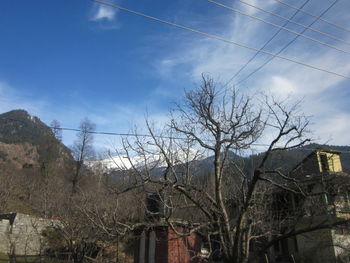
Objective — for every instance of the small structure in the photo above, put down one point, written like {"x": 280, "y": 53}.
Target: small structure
{"x": 162, "y": 243}
{"x": 21, "y": 234}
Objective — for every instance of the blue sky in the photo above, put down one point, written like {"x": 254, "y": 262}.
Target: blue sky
{"x": 67, "y": 60}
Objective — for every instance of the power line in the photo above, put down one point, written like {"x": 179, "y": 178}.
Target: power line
{"x": 135, "y": 135}
{"x": 97, "y": 132}
{"x": 313, "y": 15}
{"x": 278, "y": 26}
{"x": 110, "y": 133}
{"x": 118, "y": 134}
{"x": 296, "y": 23}
{"x": 285, "y": 47}
{"x": 219, "y": 38}
{"x": 138, "y": 134}
{"x": 115, "y": 133}
{"x": 156, "y": 136}
{"x": 266, "y": 43}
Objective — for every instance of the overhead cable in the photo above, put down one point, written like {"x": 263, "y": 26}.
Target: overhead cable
{"x": 285, "y": 47}
{"x": 313, "y": 15}
{"x": 266, "y": 43}
{"x": 278, "y": 26}
{"x": 113, "y": 133}
{"x": 156, "y": 136}
{"x": 296, "y": 23}
{"x": 219, "y": 38}
{"x": 137, "y": 134}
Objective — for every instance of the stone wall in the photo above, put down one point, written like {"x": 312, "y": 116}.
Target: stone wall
{"x": 23, "y": 236}
{"x": 4, "y": 230}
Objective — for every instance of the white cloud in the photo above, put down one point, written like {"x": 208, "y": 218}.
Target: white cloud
{"x": 104, "y": 13}
{"x": 320, "y": 93}
{"x": 282, "y": 87}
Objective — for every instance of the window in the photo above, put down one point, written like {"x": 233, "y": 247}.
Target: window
{"x": 324, "y": 162}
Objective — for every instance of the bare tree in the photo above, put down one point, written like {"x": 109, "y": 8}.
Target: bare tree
{"x": 233, "y": 208}
{"x": 56, "y": 129}
{"x": 6, "y": 189}
{"x": 82, "y": 150}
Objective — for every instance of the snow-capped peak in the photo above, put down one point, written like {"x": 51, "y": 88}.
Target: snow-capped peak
{"x": 124, "y": 162}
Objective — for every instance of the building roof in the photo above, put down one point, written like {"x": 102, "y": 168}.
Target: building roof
{"x": 321, "y": 149}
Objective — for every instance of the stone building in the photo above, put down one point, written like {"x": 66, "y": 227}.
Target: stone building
{"x": 21, "y": 234}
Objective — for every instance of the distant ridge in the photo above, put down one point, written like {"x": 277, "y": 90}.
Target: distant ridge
{"x": 18, "y": 127}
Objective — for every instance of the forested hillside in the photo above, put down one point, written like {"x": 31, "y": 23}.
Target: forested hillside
{"x": 32, "y": 161}
{"x": 19, "y": 127}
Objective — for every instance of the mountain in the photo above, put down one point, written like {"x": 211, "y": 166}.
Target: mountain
{"x": 26, "y": 140}
{"x": 121, "y": 162}
{"x": 18, "y": 126}
{"x": 284, "y": 160}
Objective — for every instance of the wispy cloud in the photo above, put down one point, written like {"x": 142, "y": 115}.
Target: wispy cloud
{"x": 281, "y": 78}
{"x": 104, "y": 13}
